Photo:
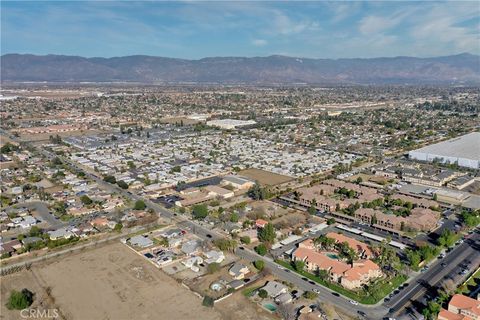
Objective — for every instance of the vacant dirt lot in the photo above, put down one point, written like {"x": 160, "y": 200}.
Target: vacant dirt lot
{"x": 265, "y": 177}
{"x": 111, "y": 282}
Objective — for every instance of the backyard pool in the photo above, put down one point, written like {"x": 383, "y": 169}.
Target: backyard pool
{"x": 270, "y": 307}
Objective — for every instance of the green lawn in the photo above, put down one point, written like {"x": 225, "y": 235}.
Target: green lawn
{"x": 248, "y": 292}
{"x": 381, "y": 287}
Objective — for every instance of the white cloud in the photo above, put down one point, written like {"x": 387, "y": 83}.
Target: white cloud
{"x": 284, "y": 25}
{"x": 259, "y": 42}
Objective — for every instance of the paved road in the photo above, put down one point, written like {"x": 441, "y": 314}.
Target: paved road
{"x": 469, "y": 250}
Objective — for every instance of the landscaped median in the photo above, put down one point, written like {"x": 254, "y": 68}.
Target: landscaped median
{"x": 376, "y": 292}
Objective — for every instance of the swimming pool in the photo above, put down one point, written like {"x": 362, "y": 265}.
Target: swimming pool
{"x": 270, "y": 307}
{"x": 332, "y": 256}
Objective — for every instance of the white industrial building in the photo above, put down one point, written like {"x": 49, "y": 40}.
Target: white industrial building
{"x": 229, "y": 124}
{"x": 464, "y": 150}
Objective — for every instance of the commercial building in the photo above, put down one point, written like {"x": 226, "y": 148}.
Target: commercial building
{"x": 230, "y": 124}
{"x": 464, "y": 150}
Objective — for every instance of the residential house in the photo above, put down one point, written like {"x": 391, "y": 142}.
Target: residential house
{"x": 190, "y": 247}
{"x": 141, "y": 241}
{"x": 274, "y": 289}
{"x": 238, "y": 271}
{"x": 62, "y": 233}
{"x": 260, "y": 223}
{"x": 214, "y": 256}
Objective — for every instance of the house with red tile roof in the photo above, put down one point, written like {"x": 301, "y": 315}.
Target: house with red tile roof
{"x": 461, "y": 307}
{"x": 260, "y": 223}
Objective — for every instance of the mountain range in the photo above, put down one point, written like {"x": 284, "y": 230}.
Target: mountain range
{"x": 455, "y": 69}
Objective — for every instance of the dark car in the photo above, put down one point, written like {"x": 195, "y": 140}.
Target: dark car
{"x": 363, "y": 314}
{"x": 241, "y": 248}
{"x": 335, "y": 294}
{"x": 304, "y": 279}
{"x": 209, "y": 236}
{"x": 311, "y": 282}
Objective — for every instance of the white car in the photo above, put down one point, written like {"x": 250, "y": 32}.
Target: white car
{"x": 355, "y": 303}
{"x": 316, "y": 291}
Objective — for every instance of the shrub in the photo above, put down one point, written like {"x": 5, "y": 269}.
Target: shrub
{"x": 208, "y": 301}
{"x": 20, "y": 300}
{"x": 310, "y": 295}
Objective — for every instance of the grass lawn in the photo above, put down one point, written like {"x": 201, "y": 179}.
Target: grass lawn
{"x": 381, "y": 287}
{"x": 248, "y": 292}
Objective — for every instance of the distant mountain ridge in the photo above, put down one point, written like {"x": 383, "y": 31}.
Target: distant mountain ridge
{"x": 456, "y": 69}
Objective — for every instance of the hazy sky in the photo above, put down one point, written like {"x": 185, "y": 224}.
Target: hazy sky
{"x": 191, "y": 29}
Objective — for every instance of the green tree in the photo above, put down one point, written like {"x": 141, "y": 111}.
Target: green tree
{"x": 234, "y": 217}
{"x": 86, "y": 200}
{"x": 245, "y": 240}
{"x": 20, "y": 300}
{"x": 299, "y": 265}
{"x": 122, "y": 184}
{"x": 267, "y": 233}
{"x": 176, "y": 169}
{"x": 261, "y": 249}
{"x": 471, "y": 219}
{"x": 262, "y": 293}
{"x": 118, "y": 227}
{"x": 200, "y": 211}
{"x": 35, "y": 231}
{"x": 257, "y": 192}
{"x": 139, "y": 205}
{"x": 226, "y": 244}
{"x": 447, "y": 238}
{"x": 110, "y": 179}
{"x": 259, "y": 264}
{"x": 330, "y": 221}
{"x": 414, "y": 258}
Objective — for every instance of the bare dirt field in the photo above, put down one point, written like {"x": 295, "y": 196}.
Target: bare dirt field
{"x": 110, "y": 282}
{"x": 46, "y": 136}
{"x": 265, "y": 177}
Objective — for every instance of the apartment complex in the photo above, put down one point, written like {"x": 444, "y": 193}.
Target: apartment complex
{"x": 461, "y": 307}
{"x": 350, "y": 276}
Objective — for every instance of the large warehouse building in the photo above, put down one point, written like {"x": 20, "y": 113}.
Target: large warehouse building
{"x": 464, "y": 150}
